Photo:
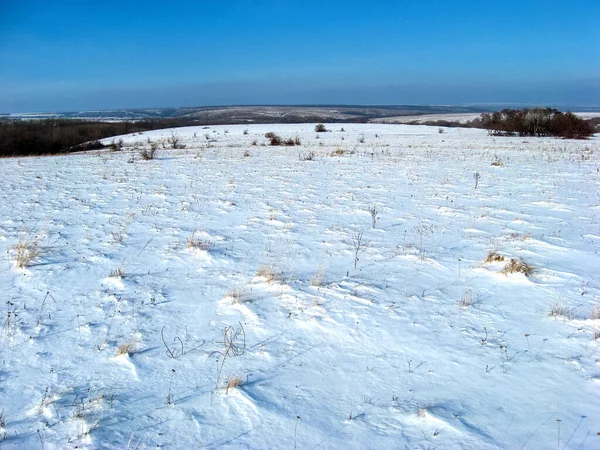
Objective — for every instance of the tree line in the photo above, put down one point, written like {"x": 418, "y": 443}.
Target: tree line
{"x": 537, "y": 122}
{"x": 53, "y": 136}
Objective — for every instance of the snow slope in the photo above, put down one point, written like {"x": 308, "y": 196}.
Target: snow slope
{"x": 346, "y": 300}
{"x": 454, "y": 117}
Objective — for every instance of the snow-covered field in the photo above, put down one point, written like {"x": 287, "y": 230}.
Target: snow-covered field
{"x": 454, "y": 117}
{"x": 231, "y": 295}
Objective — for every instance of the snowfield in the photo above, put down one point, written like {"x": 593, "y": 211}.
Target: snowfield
{"x": 385, "y": 286}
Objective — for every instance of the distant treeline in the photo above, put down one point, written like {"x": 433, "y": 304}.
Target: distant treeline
{"x": 52, "y": 136}
{"x": 537, "y": 122}
{"x": 526, "y": 122}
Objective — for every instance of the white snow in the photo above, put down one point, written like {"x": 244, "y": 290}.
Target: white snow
{"x": 342, "y": 334}
{"x": 454, "y": 117}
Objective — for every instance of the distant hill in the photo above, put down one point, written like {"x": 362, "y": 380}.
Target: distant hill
{"x": 259, "y": 114}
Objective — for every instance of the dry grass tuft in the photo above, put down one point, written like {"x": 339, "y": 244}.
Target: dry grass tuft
{"x": 199, "y": 243}
{"x": 338, "y": 152}
{"x": 118, "y": 273}
{"x": 127, "y": 348}
{"x": 560, "y": 310}
{"x": 594, "y": 317}
{"x": 520, "y": 237}
{"x": 26, "y": 251}
{"x": 421, "y": 413}
{"x": 494, "y": 257}
{"x": 317, "y": 280}
{"x": 516, "y": 265}
{"x": 266, "y": 272}
{"x": 467, "y": 299}
{"x": 513, "y": 265}
{"x": 235, "y": 295}
{"x": 233, "y": 382}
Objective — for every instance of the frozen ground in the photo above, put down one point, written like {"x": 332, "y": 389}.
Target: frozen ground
{"x": 346, "y": 300}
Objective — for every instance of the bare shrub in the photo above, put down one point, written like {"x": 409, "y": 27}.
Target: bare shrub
{"x": 275, "y": 140}
{"x": 175, "y": 141}
{"x": 338, "y": 152}
{"x": 116, "y": 146}
{"x": 310, "y": 156}
{"x": 320, "y": 128}
{"x": 536, "y": 122}
{"x": 359, "y": 244}
{"x": 148, "y": 154}
{"x": 374, "y": 215}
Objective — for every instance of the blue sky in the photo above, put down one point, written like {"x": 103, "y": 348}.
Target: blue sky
{"x": 70, "y": 55}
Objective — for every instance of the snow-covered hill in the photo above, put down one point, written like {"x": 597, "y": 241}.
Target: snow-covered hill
{"x": 384, "y": 286}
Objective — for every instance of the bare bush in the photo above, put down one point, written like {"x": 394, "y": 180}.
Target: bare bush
{"x": 274, "y": 139}
{"x": 116, "y": 146}
{"x": 175, "y": 141}
{"x": 536, "y": 122}
{"x": 310, "y": 156}
{"x": 148, "y": 154}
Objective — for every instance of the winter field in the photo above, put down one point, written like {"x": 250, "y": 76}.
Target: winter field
{"x": 386, "y": 286}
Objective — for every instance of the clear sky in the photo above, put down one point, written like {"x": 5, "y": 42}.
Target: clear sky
{"x": 70, "y": 55}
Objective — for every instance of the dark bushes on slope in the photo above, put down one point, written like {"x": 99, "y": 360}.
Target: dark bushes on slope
{"x": 536, "y": 122}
